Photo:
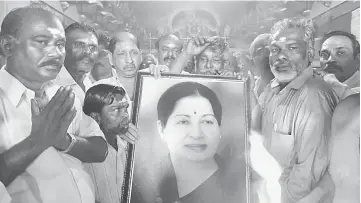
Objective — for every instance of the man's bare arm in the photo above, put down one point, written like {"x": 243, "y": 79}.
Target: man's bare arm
{"x": 14, "y": 161}
{"x": 89, "y": 149}
{"x": 178, "y": 65}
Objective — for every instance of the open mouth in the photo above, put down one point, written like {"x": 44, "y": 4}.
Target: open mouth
{"x": 197, "y": 147}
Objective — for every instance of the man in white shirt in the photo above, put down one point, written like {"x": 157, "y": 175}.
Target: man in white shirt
{"x": 340, "y": 56}
{"x": 42, "y": 144}
{"x": 81, "y": 51}
{"x": 107, "y": 104}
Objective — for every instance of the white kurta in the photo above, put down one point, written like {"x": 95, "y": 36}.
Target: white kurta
{"x": 53, "y": 176}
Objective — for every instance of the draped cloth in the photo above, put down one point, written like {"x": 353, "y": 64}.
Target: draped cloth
{"x": 53, "y": 177}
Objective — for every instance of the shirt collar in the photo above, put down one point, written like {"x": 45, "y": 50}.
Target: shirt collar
{"x": 64, "y": 78}
{"x": 354, "y": 80}
{"x": 13, "y": 88}
{"x": 297, "y": 82}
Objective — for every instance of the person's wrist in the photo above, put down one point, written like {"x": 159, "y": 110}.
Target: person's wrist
{"x": 64, "y": 143}
{"x": 187, "y": 55}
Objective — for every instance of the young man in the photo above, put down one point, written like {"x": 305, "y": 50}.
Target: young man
{"x": 43, "y": 144}
{"x": 108, "y": 105}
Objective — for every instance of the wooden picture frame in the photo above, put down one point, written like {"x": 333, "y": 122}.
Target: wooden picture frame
{"x": 145, "y": 160}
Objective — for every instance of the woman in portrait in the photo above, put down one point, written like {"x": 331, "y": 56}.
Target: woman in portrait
{"x": 189, "y": 121}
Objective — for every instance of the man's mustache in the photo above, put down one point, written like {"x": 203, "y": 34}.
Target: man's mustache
{"x": 53, "y": 62}
{"x": 84, "y": 56}
{"x": 169, "y": 58}
{"x": 332, "y": 65}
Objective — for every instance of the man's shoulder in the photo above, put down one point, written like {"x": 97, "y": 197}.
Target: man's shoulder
{"x": 315, "y": 86}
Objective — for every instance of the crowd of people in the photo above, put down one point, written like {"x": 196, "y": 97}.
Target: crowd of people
{"x": 66, "y": 97}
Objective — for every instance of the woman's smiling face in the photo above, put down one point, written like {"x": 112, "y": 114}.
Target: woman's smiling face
{"x": 192, "y": 130}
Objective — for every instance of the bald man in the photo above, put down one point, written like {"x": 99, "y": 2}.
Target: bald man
{"x": 168, "y": 47}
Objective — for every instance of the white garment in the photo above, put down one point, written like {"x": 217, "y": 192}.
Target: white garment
{"x": 65, "y": 79}
{"x": 53, "y": 176}
{"x": 109, "y": 175}
{"x": 4, "y": 195}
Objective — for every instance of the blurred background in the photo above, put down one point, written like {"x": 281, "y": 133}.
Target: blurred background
{"x": 238, "y": 21}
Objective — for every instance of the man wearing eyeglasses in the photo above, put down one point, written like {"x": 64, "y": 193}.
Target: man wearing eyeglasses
{"x": 81, "y": 52}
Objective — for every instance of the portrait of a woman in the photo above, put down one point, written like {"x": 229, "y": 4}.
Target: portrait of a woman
{"x": 189, "y": 120}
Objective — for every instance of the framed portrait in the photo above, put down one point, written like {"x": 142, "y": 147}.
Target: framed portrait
{"x": 193, "y": 140}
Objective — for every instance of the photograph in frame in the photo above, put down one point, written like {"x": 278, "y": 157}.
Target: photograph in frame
{"x": 207, "y": 159}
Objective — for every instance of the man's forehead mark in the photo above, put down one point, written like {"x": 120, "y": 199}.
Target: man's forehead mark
{"x": 56, "y": 32}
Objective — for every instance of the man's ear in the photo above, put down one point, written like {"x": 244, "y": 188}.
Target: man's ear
{"x": 160, "y": 130}
{"x": 96, "y": 117}
{"x": 6, "y": 45}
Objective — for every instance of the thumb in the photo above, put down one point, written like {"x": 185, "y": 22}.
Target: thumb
{"x": 35, "y": 110}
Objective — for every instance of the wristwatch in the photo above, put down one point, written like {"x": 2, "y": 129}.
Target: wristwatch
{"x": 72, "y": 143}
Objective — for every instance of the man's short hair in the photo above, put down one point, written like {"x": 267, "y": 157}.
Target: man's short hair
{"x": 116, "y": 39}
{"x": 355, "y": 43}
{"x": 295, "y": 22}
{"x": 14, "y": 20}
{"x": 104, "y": 40}
{"x": 99, "y": 96}
{"x": 166, "y": 36}
{"x": 80, "y": 26}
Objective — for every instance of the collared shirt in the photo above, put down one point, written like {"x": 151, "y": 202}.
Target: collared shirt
{"x": 345, "y": 89}
{"x": 52, "y": 174}
{"x": 296, "y": 124}
{"x": 108, "y": 176}
{"x": 65, "y": 79}
{"x": 353, "y": 81}
{"x": 4, "y": 195}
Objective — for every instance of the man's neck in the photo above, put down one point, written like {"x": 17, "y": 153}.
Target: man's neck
{"x": 128, "y": 83}
{"x": 78, "y": 80}
{"x": 32, "y": 85}
{"x": 111, "y": 139}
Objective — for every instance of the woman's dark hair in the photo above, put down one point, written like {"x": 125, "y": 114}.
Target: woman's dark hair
{"x": 99, "y": 96}
{"x": 169, "y": 99}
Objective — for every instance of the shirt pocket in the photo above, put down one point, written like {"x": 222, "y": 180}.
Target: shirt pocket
{"x": 282, "y": 147}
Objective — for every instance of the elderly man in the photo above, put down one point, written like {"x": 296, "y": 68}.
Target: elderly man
{"x": 345, "y": 150}
{"x": 81, "y": 52}
{"x": 294, "y": 115}
{"x": 210, "y": 57}
{"x": 42, "y": 144}
{"x": 340, "y": 56}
